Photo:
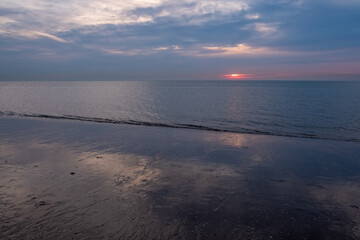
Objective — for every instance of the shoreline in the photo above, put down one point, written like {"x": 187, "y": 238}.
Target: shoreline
{"x": 163, "y": 125}
{"x": 68, "y": 179}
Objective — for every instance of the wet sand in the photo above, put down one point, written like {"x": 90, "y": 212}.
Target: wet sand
{"x": 73, "y": 180}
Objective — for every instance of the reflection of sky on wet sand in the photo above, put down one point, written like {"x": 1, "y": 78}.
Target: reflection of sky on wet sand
{"x": 67, "y": 179}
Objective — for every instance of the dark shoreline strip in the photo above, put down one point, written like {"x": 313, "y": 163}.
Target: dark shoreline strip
{"x": 176, "y": 125}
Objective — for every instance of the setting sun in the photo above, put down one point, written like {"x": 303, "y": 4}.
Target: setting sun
{"x": 237, "y": 76}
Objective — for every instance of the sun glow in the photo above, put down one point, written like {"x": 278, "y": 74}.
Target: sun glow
{"x": 237, "y": 76}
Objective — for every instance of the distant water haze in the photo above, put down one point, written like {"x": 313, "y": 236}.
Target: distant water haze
{"x": 326, "y": 110}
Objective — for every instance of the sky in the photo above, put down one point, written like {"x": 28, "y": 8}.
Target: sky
{"x": 179, "y": 40}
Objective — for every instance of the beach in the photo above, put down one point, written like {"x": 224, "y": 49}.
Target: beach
{"x": 179, "y": 120}
{"x": 64, "y": 179}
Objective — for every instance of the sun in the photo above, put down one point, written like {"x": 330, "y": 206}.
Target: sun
{"x": 237, "y": 76}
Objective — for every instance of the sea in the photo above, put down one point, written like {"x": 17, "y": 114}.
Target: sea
{"x": 307, "y": 109}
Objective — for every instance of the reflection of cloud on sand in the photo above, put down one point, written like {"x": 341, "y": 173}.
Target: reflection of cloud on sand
{"x": 130, "y": 171}
{"x": 344, "y": 194}
{"x": 142, "y": 183}
{"x": 228, "y": 139}
{"x": 104, "y": 185}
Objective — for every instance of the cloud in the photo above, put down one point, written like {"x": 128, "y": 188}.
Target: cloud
{"x": 199, "y": 12}
{"x": 32, "y": 35}
{"x": 36, "y": 35}
{"x": 6, "y": 20}
{"x": 252, "y": 16}
{"x": 190, "y": 33}
{"x": 264, "y": 23}
{"x": 139, "y": 51}
{"x": 265, "y": 28}
{"x": 240, "y": 50}
{"x": 59, "y": 16}
{"x": 236, "y": 50}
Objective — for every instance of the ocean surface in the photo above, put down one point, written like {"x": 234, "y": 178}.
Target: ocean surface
{"x": 322, "y": 109}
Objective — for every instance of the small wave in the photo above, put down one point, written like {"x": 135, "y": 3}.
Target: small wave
{"x": 106, "y": 120}
{"x": 175, "y": 125}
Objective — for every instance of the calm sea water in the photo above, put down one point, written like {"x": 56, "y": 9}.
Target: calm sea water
{"x": 328, "y": 110}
